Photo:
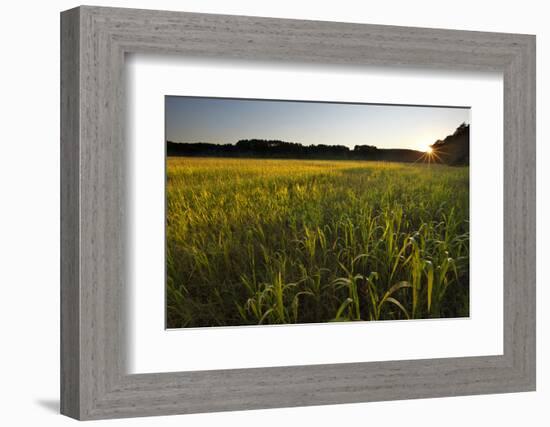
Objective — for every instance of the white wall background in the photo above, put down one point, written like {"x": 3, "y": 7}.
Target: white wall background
{"x": 29, "y": 212}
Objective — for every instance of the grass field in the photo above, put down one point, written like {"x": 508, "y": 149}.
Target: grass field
{"x": 252, "y": 241}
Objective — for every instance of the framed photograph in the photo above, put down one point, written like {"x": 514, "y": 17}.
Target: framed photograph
{"x": 262, "y": 213}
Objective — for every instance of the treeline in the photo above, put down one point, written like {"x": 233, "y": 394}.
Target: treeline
{"x": 454, "y": 150}
{"x": 261, "y": 148}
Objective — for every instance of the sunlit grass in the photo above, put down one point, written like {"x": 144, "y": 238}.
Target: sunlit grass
{"x": 295, "y": 241}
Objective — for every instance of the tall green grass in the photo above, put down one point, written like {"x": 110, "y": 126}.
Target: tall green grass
{"x": 295, "y": 241}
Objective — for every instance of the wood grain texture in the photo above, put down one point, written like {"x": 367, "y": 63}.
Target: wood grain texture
{"x": 94, "y": 231}
{"x": 70, "y": 297}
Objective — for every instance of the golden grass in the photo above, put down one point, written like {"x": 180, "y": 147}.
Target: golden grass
{"x": 297, "y": 241}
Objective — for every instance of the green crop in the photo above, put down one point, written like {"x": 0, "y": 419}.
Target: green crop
{"x": 253, "y": 241}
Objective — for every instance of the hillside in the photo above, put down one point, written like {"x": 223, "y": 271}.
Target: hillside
{"x": 455, "y": 148}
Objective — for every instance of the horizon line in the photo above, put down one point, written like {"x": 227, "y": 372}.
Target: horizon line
{"x": 292, "y": 142}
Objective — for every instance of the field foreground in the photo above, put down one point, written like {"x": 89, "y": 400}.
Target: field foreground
{"x": 252, "y": 241}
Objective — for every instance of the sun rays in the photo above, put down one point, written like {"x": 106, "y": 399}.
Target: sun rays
{"x": 430, "y": 155}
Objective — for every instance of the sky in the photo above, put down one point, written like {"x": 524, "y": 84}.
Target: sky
{"x": 222, "y": 121}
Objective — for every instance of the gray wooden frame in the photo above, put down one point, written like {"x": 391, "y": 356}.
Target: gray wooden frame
{"x": 94, "y": 41}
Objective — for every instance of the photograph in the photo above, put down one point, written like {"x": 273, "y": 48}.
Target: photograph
{"x": 300, "y": 212}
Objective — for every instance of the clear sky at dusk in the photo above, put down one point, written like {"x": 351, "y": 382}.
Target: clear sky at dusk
{"x": 217, "y": 120}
